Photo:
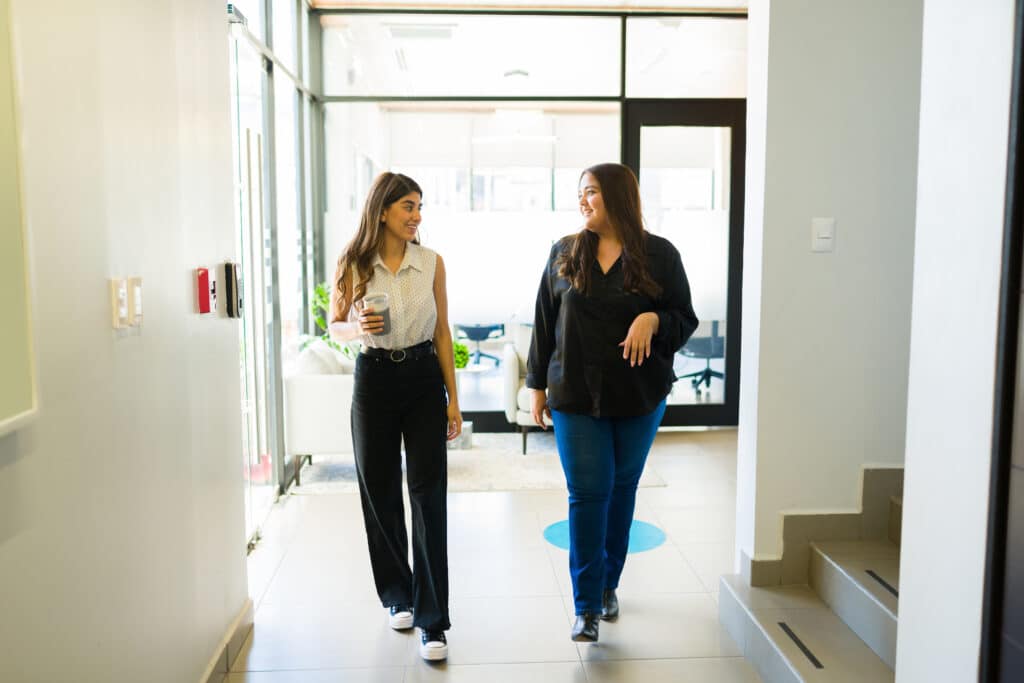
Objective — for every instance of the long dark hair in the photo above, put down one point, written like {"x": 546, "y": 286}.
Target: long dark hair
{"x": 621, "y": 194}
{"x": 387, "y": 189}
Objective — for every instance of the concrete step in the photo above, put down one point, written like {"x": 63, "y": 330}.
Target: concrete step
{"x": 789, "y": 635}
{"x": 895, "y": 519}
{"x": 859, "y": 581}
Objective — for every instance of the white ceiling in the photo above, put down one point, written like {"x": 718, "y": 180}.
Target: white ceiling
{"x": 724, "y": 6}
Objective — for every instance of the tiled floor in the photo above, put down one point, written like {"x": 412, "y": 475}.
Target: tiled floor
{"x": 318, "y": 619}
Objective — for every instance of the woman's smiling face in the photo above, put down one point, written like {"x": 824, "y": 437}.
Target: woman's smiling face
{"x": 402, "y": 219}
{"x": 592, "y": 204}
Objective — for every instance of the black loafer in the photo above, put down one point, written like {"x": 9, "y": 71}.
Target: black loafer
{"x": 585, "y": 628}
{"x": 609, "y": 604}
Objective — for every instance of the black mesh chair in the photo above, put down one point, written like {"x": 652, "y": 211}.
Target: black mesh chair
{"x": 706, "y": 348}
{"x": 478, "y": 333}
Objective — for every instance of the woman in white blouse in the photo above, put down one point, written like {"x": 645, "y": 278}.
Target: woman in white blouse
{"x": 404, "y": 389}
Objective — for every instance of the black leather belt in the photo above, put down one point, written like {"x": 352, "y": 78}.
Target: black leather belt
{"x": 416, "y": 352}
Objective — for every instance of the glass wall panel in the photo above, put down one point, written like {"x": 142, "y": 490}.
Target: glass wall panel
{"x": 252, "y": 10}
{"x": 470, "y": 55}
{"x": 304, "y": 41}
{"x": 308, "y": 206}
{"x": 686, "y": 57}
{"x": 289, "y": 236}
{"x": 259, "y": 473}
{"x": 284, "y": 26}
{"x": 684, "y": 188}
{"x": 499, "y": 183}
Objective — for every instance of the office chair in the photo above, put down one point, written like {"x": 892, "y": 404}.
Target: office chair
{"x": 478, "y": 333}
{"x": 706, "y": 348}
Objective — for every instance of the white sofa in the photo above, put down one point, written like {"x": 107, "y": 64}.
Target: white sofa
{"x": 317, "y": 400}
{"x": 517, "y": 396}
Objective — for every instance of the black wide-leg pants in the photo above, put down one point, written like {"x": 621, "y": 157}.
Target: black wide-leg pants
{"x": 393, "y": 401}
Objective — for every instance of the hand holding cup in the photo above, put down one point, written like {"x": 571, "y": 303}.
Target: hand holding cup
{"x": 374, "y": 314}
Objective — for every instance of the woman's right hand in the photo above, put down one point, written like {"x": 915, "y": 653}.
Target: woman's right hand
{"x": 539, "y": 407}
{"x": 370, "y": 323}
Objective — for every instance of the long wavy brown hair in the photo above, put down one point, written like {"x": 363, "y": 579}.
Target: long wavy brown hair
{"x": 387, "y": 189}
{"x": 621, "y": 194}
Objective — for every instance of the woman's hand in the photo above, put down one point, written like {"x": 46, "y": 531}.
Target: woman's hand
{"x": 539, "y": 407}
{"x": 454, "y": 420}
{"x": 637, "y": 345}
{"x": 370, "y": 323}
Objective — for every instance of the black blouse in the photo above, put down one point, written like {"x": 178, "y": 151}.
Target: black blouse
{"x": 575, "y": 352}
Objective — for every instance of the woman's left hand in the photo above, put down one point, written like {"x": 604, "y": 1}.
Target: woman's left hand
{"x": 637, "y": 345}
{"x": 454, "y": 421}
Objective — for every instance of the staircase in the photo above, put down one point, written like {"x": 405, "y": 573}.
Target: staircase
{"x": 839, "y": 627}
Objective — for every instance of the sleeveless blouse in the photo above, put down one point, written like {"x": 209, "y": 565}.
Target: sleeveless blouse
{"x": 410, "y": 296}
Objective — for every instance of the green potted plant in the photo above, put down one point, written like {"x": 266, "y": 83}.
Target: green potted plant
{"x": 461, "y": 352}
{"x": 320, "y": 303}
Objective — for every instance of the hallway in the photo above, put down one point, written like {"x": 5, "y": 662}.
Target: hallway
{"x": 318, "y": 619}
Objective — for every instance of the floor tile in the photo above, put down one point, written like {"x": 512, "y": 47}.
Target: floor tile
{"x": 551, "y": 672}
{"x": 512, "y": 573}
{"x": 710, "y": 561}
{"x": 309, "y": 577}
{"x": 712, "y": 670}
{"x": 663, "y": 627}
{"x": 702, "y": 524}
{"x": 660, "y": 570}
{"x": 325, "y": 636}
{"x": 519, "y": 630}
{"x": 378, "y": 675}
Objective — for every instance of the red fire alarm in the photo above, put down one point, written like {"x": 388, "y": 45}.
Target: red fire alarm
{"x": 203, "y": 289}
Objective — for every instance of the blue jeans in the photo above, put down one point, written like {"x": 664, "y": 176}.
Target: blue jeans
{"x": 603, "y": 458}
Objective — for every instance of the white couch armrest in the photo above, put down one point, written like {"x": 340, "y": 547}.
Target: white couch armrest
{"x": 316, "y": 417}
{"x": 512, "y": 380}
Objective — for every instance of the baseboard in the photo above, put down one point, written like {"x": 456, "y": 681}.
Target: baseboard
{"x": 230, "y": 644}
{"x": 878, "y": 486}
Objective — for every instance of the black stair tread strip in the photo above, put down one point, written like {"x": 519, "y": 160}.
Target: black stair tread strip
{"x": 885, "y": 584}
{"x": 800, "y": 644}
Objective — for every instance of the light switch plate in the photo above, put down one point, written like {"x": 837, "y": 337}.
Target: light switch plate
{"x": 118, "y": 303}
{"x": 135, "y": 302}
{"x": 823, "y": 235}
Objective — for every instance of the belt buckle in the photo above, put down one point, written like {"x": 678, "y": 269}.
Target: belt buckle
{"x": 398, "y": 359}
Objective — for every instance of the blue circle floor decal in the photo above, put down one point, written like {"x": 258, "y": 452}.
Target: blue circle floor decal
{"x": 642, "y": 536}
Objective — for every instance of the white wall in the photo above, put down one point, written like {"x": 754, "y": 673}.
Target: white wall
{"x": 753, "y": 248}
{"x": 965, "y": 94}
{"x": 829, "y": 371}
{"x": 122, "y": 550}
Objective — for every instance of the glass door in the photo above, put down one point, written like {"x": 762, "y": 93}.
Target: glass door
{"x": 259, "y": 473}
{"x": 689, "y": 158}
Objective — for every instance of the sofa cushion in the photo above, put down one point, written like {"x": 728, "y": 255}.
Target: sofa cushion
{"x": 320, "y": 359}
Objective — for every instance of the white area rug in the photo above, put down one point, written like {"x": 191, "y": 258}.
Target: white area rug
{"x": 495, "y": 463}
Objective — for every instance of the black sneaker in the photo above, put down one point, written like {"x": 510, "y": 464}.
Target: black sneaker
{"x": 433, "y": 646}
{"x": 400, "y": 617}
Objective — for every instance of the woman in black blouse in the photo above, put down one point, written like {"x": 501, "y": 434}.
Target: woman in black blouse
{"x": 612, "y": 310}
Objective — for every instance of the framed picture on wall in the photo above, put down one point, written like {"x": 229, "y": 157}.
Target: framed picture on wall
{"x": 18, "y": 390}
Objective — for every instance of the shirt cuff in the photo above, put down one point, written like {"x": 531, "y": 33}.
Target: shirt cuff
{"x": 532, "y": 382}
{"x": 664, "y": 321}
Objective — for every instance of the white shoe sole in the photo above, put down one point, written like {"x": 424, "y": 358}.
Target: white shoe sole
{"x": 400, "y": 621}
{"x": 434, "y": 652}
